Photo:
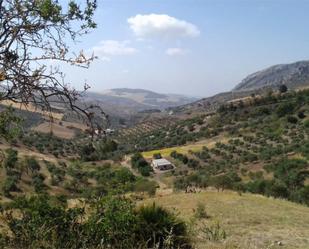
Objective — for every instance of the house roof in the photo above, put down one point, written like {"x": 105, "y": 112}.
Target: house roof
{"x": 161, "y": 162}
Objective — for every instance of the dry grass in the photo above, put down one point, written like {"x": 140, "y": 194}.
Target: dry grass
{"x": 32, "y": 108}
{"x": 23, "y": 151}
{"x": 61, "y": 129}
{"x": 250, "y": 221}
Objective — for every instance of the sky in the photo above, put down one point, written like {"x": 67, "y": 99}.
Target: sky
{"x": 190, "y": 47}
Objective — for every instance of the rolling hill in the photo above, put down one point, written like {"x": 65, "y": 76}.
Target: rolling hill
{"x": 126, "y": 101}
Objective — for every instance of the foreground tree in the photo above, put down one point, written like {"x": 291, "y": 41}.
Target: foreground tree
{"x": 32, "y": 34}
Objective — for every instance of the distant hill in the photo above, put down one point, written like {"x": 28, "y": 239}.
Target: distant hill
{"x": 138, "y": 99}
{"x": 292, "y": 75}
{"x": 126, "y": 106}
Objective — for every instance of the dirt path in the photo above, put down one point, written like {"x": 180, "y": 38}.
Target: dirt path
{"x": 164, "y": 189}
{"x": 127, "y": 164}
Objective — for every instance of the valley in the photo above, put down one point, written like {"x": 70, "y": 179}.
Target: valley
{"x": 226, "y": 164}
{"x": 154, "y": 124}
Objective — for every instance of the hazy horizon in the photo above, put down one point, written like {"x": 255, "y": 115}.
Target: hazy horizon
{"x": 195, "y": 48}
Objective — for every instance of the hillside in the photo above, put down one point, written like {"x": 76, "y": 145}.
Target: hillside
{"x": 211, "y": 104}
{"x": 224, "y": 162}
{"x": 292, "y": 75}
{"x": 254, "y": 146}
{"x": 250, "y": 221}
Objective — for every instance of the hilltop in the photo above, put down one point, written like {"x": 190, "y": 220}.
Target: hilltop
{"x": 292, "y": 75}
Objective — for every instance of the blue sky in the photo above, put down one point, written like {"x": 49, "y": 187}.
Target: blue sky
{"x": 194, "y": 47}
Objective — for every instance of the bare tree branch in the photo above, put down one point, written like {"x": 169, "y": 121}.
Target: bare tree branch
{"x": 33, "y": 33}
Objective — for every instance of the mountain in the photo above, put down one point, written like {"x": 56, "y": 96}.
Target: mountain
{"x": 292, "y": 75}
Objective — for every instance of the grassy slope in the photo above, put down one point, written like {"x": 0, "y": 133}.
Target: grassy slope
{"x": 251, "y": 221}
{"x": 66, "y": 130}
{"x": 197, "y": 146}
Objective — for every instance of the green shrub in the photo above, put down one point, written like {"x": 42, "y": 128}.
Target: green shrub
{"x": 285, "y": 109}
{"x": 159, "y": 226}
{"x": 139, "y": 162}
{"x": 9, "y": 185}
{"x": 11, "y": 158}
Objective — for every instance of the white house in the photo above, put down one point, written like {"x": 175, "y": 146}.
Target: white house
{"x": 161, "y": 164}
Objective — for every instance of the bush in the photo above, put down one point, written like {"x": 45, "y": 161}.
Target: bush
{"x": 139, "y": 162}
{"x": 285, "y": 108}
{"x": 9, "y": 186}
{"x": 43, "y": 225}
{"x": 38, "y": 183}
{"x": 114, "y": 222}
{"x": 31, "y": 164}
{"x": 159, "y": 227}
{"x": 200, "y": 212}
{"x": 11, "y": 158}
{"x": 292, "y": 119}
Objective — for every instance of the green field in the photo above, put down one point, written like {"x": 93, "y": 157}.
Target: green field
{"x": 186, "y": 148}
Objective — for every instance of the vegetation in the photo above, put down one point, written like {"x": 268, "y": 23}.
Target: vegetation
{"x": 112, "y": 223}
{"x": 76, "y": 193}
{"x": 265, "y": 151}
{"x": 138, "y": 162}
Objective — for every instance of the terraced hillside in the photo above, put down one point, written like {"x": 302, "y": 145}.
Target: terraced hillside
{"x": 259, "y": 146}
{"x": 146, "y": 127}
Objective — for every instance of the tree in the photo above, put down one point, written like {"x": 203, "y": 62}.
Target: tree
{"x": 32, "y": 164}
{"x": 139, "y": 162}
{"x": 10, "y": 159}
{"x": 283, "y": 88}
{"x": 9, "y": 124}
{"x": 32, "y": 34}
{"x": 222, "y": 182}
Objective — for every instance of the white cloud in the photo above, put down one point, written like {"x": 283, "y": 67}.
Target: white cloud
{"x": 176, "y": 51}
{"x": 158, "y": 25}
{"x": 108, "y": 48}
